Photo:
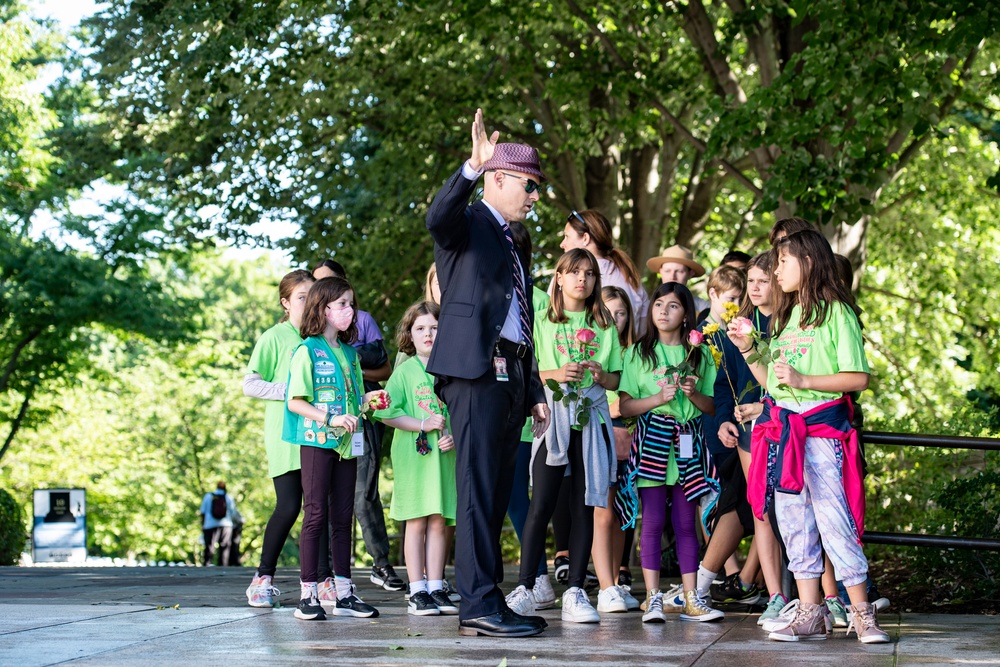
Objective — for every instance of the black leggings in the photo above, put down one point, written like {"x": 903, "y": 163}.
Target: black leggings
{"x": 328, "y": 490}
{"x": 287, "y": 505}
{"x": 545, "y": 484}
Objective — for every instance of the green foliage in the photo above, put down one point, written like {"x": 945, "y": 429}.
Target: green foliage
{"x": 12, "y": 533}
{"x": 937, "y": 492}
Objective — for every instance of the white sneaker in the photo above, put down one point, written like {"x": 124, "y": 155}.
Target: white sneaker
{"x": 785, "y": 617}
{"x": 610, "y": 601}
{"x": 545, "y": 597}
{"x": 630, "y": 602}
{"x": 654, "y": 608}
{"x": 673, "y": 599}
{"x": 521, "y": 601}
{"x": 576, "y": 607}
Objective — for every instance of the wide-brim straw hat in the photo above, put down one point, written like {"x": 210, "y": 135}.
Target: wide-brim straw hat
{"x": 679, "y": 255}
{"x": 515, "y": 157}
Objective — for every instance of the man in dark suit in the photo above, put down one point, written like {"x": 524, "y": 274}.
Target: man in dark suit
{"x": 484, "y": 362}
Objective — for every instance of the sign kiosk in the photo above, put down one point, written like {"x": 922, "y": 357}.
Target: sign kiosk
{"x": 59, "y": 533}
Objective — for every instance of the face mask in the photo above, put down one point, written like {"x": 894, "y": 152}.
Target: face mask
{"x": 340, "y": 318}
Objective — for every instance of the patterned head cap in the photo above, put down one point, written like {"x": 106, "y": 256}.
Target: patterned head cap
{"x": 515, "y": 157}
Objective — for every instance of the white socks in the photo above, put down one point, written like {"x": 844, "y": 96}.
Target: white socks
{"x": 705, "y": 579}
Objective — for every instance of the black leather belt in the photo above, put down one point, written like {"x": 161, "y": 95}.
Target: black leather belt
{"x": 519, "y": 350}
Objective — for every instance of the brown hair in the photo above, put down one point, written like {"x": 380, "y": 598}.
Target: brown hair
{"x": 323, "y": 293}
{"x": 727, "y": 278}
{"x": 820, "y": 285}
{"x": 597, "y": 226}
{"x": 597, "y": 313}
{"x": 404, "y": 340}
{"x": 288, "y": 284}
{"x": 788, "y": 226}
{"x": 765, "y": 262}
{"x": 610, "y": 293}
{"x": 651, "y": 336}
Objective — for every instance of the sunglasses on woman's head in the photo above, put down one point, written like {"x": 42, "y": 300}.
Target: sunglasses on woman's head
{"x": 529, "y": 185}
{"x": 576, "y": 215}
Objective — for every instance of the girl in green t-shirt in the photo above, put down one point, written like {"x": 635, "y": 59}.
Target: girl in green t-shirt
{"x": 323, "y": 412}
{"x": 668, "y": 462}
{"x": 423, "y": 462}
{"x": 577, "y": 348}
{"x": 819, "y": 360}
{"x": 266, "y": 375}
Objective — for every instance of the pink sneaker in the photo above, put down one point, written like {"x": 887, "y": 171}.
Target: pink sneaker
{"x": 809, "y": 624}
{"x": 865, "y": 624}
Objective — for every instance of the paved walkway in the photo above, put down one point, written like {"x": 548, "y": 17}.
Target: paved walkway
{"x": 195, "y": 616}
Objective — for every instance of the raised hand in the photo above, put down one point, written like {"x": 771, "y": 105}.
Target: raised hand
{"x": 482, "y": 145}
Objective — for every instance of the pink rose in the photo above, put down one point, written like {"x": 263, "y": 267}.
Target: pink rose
{"x": 741, "y": 326}
{"x": 585, "y": 336}
{"x": 695, "y": 338}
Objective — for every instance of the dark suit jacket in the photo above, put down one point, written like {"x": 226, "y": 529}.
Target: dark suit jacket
{"x": 477, "y": 285}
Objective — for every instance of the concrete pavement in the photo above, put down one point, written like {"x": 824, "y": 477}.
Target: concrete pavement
{"x": 195, "y": 616}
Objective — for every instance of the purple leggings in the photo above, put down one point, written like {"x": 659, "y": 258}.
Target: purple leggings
{"x": 654, "y": 517}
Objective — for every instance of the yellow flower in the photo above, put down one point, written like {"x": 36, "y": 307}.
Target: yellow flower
{"x": 731, "y": 310}
{"x": 716, "y": 355}
{"x": 710, "y": 329}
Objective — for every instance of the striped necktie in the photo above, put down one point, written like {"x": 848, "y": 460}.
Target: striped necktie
{"x": 519, "y": 291}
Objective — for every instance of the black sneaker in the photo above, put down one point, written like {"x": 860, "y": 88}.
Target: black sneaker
{"x": 562, "y": 569}
{"x": 624, "y": 578}
{"x": 352, "y": 605}
{"x": 591, "y": 583}
{"x": 387, "y": 578}
{"x": 443, "y": 603}
{"x": 422, "y": 604}
{"x": 451, "y": 592}
{"x": 731, "y": 591}
{"x": 310, "y": 609}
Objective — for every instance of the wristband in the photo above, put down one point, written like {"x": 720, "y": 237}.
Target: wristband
{"x": 326, "y": 420}
{"x": 746, "y": 350}
{"x": 422, "y": 424}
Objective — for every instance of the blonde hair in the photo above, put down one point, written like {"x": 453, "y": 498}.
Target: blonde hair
{"x": 428, "y": 291}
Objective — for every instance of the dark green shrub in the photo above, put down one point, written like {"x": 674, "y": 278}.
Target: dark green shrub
{"x": 12, "y": 534}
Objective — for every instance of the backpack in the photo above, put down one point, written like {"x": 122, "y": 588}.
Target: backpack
{"x": 219, "y": 508}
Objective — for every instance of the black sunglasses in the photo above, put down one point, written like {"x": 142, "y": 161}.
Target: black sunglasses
{"x": 529, "y": 185}
{"x": 576, "y": 215}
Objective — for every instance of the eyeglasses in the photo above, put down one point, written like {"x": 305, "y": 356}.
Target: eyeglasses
{"x": 583, "y": 222}
{"x": 529, "y": 185}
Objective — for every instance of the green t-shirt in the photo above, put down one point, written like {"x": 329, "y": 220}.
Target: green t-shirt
{"x": 639, "y": 380}
{"x": 835, "y": 347}
{"x": 557, "y": 344}
{"x": 424, "y": 484}
{"x": 270, "y": 359}
{"x": 300, "y": 385}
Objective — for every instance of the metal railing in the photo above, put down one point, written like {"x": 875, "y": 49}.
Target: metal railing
{"x": 940, "y": 442}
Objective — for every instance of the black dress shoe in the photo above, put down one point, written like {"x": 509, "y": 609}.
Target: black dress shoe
{"x": 537, "y": 620}
{"x": 501, "y": 624}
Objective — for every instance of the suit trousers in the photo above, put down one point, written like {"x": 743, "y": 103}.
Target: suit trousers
{"x": 487, "y": 417}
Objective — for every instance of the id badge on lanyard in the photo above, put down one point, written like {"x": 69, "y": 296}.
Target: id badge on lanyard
{"x": 500, "y": 366}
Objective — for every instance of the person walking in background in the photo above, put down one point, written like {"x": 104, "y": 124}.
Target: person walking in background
{"x": 217, "y": 511}
{"x": 483, "y": 361}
